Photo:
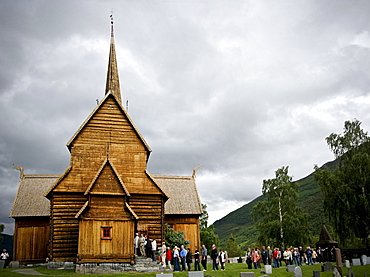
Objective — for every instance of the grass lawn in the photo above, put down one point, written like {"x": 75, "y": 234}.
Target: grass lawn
{"x": 231, "y": 270}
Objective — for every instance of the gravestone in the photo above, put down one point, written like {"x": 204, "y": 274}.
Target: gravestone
{"x": 336, "y": 273}
{"x": 338, "y": 257}
{"x": 367, "y": 260}
{"x": 2, "y": 263}
{"x": 297, "y": 272}
{"x": 15, "y": 264}
{"x": 268, "y": 269}
{"x": 164, "y": 275}
{"x": 348, "y": 265}
{"x": 290, "y": 268}
{"x": 350, "y": 272}
{"x": 327, "y": 266}
{"x": 316, "y": 274}
{"x": 363, "y": 259}
{"x": 356, "y": 262}
{"x": 196, "y": 274}
{"x": 246, "y": 274}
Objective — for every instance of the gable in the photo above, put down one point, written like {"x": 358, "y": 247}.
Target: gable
{"x": 109, "y": 123}
{"x": 107, "y": 182}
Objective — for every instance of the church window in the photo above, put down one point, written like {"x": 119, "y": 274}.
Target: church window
{"x": 106, "y": 232}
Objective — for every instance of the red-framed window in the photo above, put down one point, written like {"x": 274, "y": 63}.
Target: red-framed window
{"x": 106, "y": 232}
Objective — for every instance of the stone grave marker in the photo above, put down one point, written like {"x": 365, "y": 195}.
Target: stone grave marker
{"x": 15, "y": 264}
{"x": 2, "y": 263}
{"x": 246, "y": 274}
{"x": 196, "y": 273}
{"x": 348, "y": 265}
{"x": 316, "y": 274}
{"x": 356, "y": 262}
{"x": 363, "y": 259}
{"x": 164, "y": 275}
{"x": 290, "y": 268}
{"x": 297, "y": 272}
{"x": 350, "y": 272}
{"x": 367, "y": 260}
{"x": 268, "y": 269}
{"x": 336, "y": 273}
{"x": 327, "y": 266}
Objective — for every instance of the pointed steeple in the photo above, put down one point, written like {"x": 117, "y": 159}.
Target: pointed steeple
{"x": 112, "y": 75}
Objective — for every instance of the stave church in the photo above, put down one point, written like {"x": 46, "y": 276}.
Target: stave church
{"x": 91, "y": 212}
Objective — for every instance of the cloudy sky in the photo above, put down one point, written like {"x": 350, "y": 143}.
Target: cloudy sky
{"x": 239, "y": 87}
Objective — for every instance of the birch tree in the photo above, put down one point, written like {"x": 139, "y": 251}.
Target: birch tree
{"x": 278, "y": 219}
{"x": 346, "y": 189}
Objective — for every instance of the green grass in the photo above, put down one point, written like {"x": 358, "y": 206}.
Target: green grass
{"x": 231, "y": 270}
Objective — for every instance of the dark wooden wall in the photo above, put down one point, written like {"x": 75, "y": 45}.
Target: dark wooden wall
{"x": 149, "y": 209}
{"x": 31, "y": 239}
{"x": 64, "y": 226}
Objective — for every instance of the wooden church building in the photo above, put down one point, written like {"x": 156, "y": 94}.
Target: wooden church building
{"x": 91, "y": 212}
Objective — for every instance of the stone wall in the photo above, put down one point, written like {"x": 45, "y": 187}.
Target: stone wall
{"x": 141, "y": 265}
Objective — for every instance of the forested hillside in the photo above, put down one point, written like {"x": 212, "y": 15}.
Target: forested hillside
{"x": 239, "y": 223}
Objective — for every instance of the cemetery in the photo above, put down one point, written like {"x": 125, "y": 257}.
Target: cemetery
{"x": 327, "y": 269}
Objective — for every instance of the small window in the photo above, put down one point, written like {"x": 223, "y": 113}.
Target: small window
{"x": 106, "y": 232}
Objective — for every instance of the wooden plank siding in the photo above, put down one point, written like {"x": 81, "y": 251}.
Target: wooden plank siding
{"x": 150, "y": 210}
{"x": 31, "y": 239}
{"x": 93, "y": 248}
{"x": 64, "y": 225}
{"x": 108, "y": 132}
{"x": 187, "y": 223}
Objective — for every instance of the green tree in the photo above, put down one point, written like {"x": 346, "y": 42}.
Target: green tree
{"x": 346, "y": 189}
{"x": 207, "y": 234}
{"x": 174, "y": 238}
{"x": 208, "y": 237}
{"x": 278, "y": 219}
{"x": 232, "y": 248}
{"x": 204, "y": 217}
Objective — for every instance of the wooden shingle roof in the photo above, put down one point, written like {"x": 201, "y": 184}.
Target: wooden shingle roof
{"x": 183, "y": 192}
{"x": 30, "y": 200}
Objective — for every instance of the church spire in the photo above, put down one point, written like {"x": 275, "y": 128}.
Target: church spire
{"x": 112, "y": 85}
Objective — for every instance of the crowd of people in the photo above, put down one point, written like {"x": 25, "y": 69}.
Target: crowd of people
{"x": 290, "y": 256}
{"x": 178, "y": 258}
{"x": 181, "y": 259}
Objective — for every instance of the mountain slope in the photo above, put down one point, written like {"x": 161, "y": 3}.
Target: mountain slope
{"x": 240, "y": 224}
